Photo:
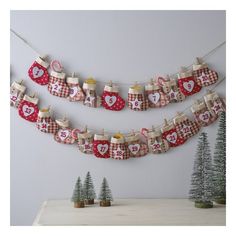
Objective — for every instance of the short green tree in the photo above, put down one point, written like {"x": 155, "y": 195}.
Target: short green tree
{"x": 201, "y": 184}
{"x": 105, "y": 192}
{"x": 219, "y": 162}
{"x": 88, "y": 188}
{"x": 78, "y": 195}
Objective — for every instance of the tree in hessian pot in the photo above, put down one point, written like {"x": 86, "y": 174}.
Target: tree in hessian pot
{"x": 78, "y": 196}
{"x": 88, "y": 189}
{"x": 219, "y": 163}
{"x": 201, "y": 191}
{"x": 105, "y": 195}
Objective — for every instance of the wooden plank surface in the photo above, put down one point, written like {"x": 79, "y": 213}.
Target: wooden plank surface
{"x": 130, "y": 212}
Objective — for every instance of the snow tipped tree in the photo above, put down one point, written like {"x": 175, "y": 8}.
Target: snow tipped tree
{"x": 78, "y": 196}
{"x": 88, "y": 189}
{"x": 201, "y": 184}
{"x": 219, "y": 163}
{"x": 105, "y": 195}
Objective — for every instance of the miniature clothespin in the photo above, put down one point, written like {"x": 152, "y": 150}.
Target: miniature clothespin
{"x": 198, "y": 61}
{"x": 110, "y": 83}
{"x": 165, "y": 122}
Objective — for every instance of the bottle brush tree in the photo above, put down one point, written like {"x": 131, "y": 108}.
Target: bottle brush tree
{"x": 201, "y": 183}
{"x": 78, "y": 196}
{"x": 88, "y": 189}
{"x": 219, "y": 163}
{"x": 105, "y": 195}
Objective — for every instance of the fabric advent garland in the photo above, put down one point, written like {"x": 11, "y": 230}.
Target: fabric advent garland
{"x": 121, "y": 147}
{"x": 156, "y": 94}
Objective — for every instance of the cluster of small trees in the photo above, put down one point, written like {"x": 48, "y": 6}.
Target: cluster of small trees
{"x": 84, "y": 194}
{"x": 209, "y": 178}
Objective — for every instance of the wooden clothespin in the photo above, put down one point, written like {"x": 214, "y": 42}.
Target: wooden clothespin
{"x": 33, "y": 95}
{"x": 198, "y": 61}
{"x": 110, "y": 83}
{"x": 103, "y": 132}
{"x": 85, "y": 128}
{"x": 21, "y": 82}
{"x": 165, "y": 122}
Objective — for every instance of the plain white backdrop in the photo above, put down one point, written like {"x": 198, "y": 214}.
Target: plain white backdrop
{"x": 123, "y": 46}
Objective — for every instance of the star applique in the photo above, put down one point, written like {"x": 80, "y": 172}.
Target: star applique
{"x": 203, "y": 77}
{"x": 186, "y": 129}
{"x": 89, "y": 100}
{"x": 56, "y": 87}
{"x": 173, "y": 94}
{"x": 217, "y": 108}
{"x": 156, "y": 146}
{"x": 87, "y": 146}
{"x": 43, "y": 126}
{"x": 118, "y": 153}
{"x": 136, "y": 103}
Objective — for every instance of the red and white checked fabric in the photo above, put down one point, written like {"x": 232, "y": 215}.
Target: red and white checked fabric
{"x": 137, "y": 102}
{"x": 45, "y": 123}
{"x": 187, "y": 84}
{"x": 17, "y": 91}
{"x": 119, "y": 151}
{"x": 111, "y": 100}
{"x": 101, "y": 145}
{"x": 170, "y": 134}
{"x": 155, "y": 97}
{"x": 173, "y": 92}
{"x": 28, "y": 108}
{"x": 57, "y": 85}
{"x": 64, "y": 135}
{"x": 38, "y": 71}
{"x": 202, "y": 115}
{"x": 187, "y": 128}
{"x": 135, "y": 147}
{"x": 205, "y": 76}
{"x": 214, "y": 103}
{"x": 156, "y": 143}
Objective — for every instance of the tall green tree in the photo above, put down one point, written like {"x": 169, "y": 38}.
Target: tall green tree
{"x": 219, "y": 162}
{"x": 201, "y": 183}
{"x": 78, "y": 195}
{"x": 88, "y": 188}
{"x": 105, "y": 192}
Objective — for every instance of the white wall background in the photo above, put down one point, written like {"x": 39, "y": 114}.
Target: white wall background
{"x": 123, "y": 46}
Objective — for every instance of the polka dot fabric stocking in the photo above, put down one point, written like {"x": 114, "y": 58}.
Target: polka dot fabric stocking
{"x": 28, "y": 108}
{"x": 187, "y": 84}
{"x": 111, "y": 100}
{"x": 101, "y": 145}
{"x": 38, "y": 71}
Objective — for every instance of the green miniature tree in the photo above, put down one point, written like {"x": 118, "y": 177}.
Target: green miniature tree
{"x": 78, "y": 196}
{"x": 219, "y": 163}
{"x": 105, "y": 195}
{"x": 88, "y": 189}
{"x": 201, "y": 184}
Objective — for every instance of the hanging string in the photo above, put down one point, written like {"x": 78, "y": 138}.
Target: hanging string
{"x": 105, "y": 82}
{"x": 25, "y": 41}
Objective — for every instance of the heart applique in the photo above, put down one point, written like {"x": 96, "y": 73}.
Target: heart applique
{"x": 205, "y": 117}
{"x": 27, "y": 110}
{"x": 73, "y": 91}
{"x": 172, "y": 138}
{"x": 154, "y": 97}
{"x": 63, "y": 134}
{"x": 110, "y": 100}
{"x": 102, "y": 148}
{"x": 188, "y": 85}
{"x": 134, "y": 148}
{"x": 37, "y": 72}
